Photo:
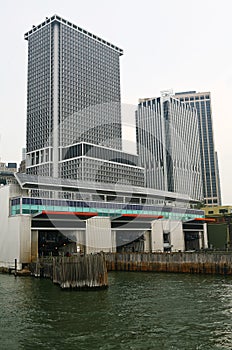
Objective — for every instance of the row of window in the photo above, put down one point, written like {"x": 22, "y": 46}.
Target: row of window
{"x": 103, "y": 205}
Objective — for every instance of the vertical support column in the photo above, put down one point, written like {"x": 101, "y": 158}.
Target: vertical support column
{"x": 147, "y": 241}
{"x": 157, "y": 242}
{"x": 114, "y": 242}
{"x": 55, "y": 99}
{"x": 164, "y": 124}
{"x": 205, "y": 236}
{"x": 177, "y": 236}
{"x": 34, "y": 245}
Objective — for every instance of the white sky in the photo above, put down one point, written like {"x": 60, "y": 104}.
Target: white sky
{"x": 178, "y": 44}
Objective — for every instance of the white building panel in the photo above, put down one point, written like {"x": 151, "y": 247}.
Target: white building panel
{"x": 98, "y": 235}
{"x": 176, "y": 235}
{"x": 157, "y": 236}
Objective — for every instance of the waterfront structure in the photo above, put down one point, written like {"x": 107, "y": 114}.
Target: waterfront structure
{"x": 168, "y": 145}
{"x": 44, "y": 215}
{"x": 201, "y": 101}
{"x": 74, "y": 97}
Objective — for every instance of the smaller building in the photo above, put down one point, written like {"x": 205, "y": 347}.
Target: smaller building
{"x": 89, "y": 162}
{"x": 7, "y": 173}
{"x": 218, "y": 211}
{"x": 219, "y": 231}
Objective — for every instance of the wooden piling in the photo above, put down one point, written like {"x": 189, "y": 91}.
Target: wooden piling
{"x": 15, "y": 269}
{"x": 76, "y": 272}
{"x": 183, "y": 262}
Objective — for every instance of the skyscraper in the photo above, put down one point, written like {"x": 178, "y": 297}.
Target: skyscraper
{"x": 209, "y": 163}
{"x": 73, "y": 98}
{"x": 168, "y": 145}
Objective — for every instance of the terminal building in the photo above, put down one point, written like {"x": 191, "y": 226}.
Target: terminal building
{"x": 43, "y": 216}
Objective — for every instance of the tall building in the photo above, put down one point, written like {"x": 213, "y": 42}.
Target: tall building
{"x": 73, "y": 97}
{"x": 209, "y": 163}
{"x": 168, "y": 145}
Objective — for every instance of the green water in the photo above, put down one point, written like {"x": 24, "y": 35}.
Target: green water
{"x": 138, "y": 311}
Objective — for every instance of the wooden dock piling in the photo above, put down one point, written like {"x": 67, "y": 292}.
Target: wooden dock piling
{"x": 76, "y": 272}
{"x": 189, "y": 262}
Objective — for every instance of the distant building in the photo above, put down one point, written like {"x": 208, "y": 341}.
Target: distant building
{"x": 23, "y": 153}
{"x": 220, "y": 210}
{"x": 7, "y": 173}
{"x": 168, "y": 145}
{"x": 22, "y": 166}
{"x": 209, "y": 162}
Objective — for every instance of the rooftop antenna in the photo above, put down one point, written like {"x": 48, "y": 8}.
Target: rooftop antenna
{"x": 166, "y": 93}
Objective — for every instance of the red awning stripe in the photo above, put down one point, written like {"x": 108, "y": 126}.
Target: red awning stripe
{"x": 143, "y": 216}
{"x": 205, "y": 219}
{"x": 76, "y": 213}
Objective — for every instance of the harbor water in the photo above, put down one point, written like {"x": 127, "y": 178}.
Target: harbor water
{"x": 138, "y": 311}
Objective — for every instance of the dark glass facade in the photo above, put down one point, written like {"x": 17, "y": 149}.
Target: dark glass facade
{"x": 209, "y": 164}
{"x": 168, "y": 146}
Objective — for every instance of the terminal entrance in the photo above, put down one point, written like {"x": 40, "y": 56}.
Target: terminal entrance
{"x": 192, "y": 240}
{"x": 130, "y": 241}
{"x": 54, "y": 243}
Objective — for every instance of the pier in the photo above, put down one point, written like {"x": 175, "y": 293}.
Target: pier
{"x": 75, "y": 272}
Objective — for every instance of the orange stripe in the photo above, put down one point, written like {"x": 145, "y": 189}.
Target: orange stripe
{"x": 204, "y": 219}
{"x": 143, "y": 216}
{"x": 77, "y": 213}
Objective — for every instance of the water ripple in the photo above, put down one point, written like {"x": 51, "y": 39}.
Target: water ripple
{"x": 139, "y": 311}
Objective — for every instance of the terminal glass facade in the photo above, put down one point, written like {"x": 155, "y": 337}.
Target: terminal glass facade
{"x": 28, "y": 205}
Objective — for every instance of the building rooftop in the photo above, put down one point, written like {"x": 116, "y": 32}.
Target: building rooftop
{"x": 59, "y": 19}
{"x": 44, "y": 182}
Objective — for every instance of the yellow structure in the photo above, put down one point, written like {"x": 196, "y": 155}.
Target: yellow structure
{"x": 218, "y": 210}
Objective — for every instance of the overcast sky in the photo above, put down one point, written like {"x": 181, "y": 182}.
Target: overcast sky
{"x": 173, "y": 44}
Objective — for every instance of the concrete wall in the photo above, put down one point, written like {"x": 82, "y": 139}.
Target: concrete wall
{"x": 98, "y": 235}
{"x": 177, "y": 236}
{"x": 15, "y": 241}
{"x": 157, "y": 236}
{"x": 174, "y": 228}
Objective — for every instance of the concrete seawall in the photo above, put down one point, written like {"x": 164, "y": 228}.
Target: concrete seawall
{"x": 200, "y": 263}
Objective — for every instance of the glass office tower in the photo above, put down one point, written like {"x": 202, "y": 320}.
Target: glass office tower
{"x": 209, "y": 163}
{"x": 168, "y": 145}
{"x": 73, "y": 96}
